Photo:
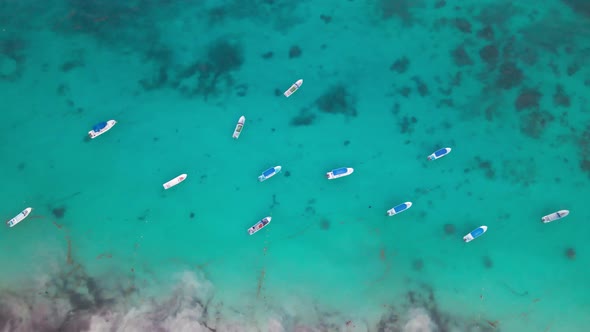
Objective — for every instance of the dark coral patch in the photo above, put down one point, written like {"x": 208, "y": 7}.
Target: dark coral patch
{"x": 534, "y": 123}
{"x": 337, "y": 100}
{"x": 418, "y": 264}
{"x": 224, "y": 56}
{"x": 304, "y": 118}
{"x": 580, "y": 7}
{"x": 325, "y": 224}
{"x": 463, "y": 25}
{"x": 400, "y": 65}
{"x": 486, "y": 166}
{"x": 489, "y": 54}
{"x": 570, "y": 253}
{"x": 509, "y": 76}
{"x": 59, "y": 212}
{"x": 487, "y": 262}
{"x": 406, "y": 124}
{"x": 528, "y": 99}
{"x": 327, "y": 19}
{"x": 486, "y": 33}
{"x": 421, "y": 86}
{"x": 294, "y": 52}
{"x": 560, "y": 98}
{"x": 449, "y": 229}
{"x": 461, "y": 57}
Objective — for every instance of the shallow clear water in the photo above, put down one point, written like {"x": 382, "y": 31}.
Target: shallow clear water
{"x": 386, "y": 83}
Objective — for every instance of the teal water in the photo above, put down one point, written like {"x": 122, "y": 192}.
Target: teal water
{"x": 386, "y": 83}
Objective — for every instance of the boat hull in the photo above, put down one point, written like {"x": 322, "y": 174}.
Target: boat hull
{"x": 268, "y": 174}
{"x": 293, "y": 88}
{"x": 19, "y": 217}
{"x": 335, "y": 174}
{"x": 399, "y": 208}
{"x": 239, "y": 127}
{"x": 439, "y": 153}
{"x": 555, "y": 216}
{"x": 175, "y": 181}
{"x": 94, "y": 134}
{"x": 259, "y": 225}
{"x": 474, "y": 234}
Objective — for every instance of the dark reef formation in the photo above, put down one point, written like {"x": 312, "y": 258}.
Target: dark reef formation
{"x": 420, "y": 312}
{"x": 400, "y": 9}
{"x": 294, "y": 52}
{"x": 205, "y": 77}
{"x": 489, "y": 54}
{"x": 528, "y": 99}
{"x": 534, "y": 123}
{"x": 59, "y": 212}
{"x": 486, "y": 166}
{"x": 461, "y": 57}
{"x": 12, "y": 59}
{"x": 509, "y": 76}
{"x": 337, "y": 100}
{"x": 304, "y": 118}
{"x": 449, "y": 229}
{"x": 560, "y": 97}
{"x": 570, "y": 253}
{"x": 578, "y": 6}
{"x": 400, "y": 65}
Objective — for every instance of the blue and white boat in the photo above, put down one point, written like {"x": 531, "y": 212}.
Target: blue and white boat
{"x": 439, "y": 153}
{"x": 474, "y": 234}
{"x": 259, "y": 225}
{"x": 339, "y": 172}
{"x": 399, "y": 208}
{"x": 555, "y": 216}
{"x": 101, "y": 128}
{"x": 19, "y": 217}
{"x": 269, "y": 173}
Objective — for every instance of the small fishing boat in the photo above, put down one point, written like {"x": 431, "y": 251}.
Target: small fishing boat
{"x": 474, "y": 234}
{"x": 269, "y": 173}
{"x": 293, "y": 88}
{"x": 399, "y": 208}
{"x": 239, "y": 127}
{"x": 101, "y": 128}
{"x": 175, "y": 181}
{"x": 439, "y": 153}
{"x": 259, "y": 225}
{"x": 339, "y": 172}
{"x": 555, "y": 215}
{"x": 19, "y": 217}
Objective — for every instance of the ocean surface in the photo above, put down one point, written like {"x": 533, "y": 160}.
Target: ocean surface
{"x": 386, "y": 83}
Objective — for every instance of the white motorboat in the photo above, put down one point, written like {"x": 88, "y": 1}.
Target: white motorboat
{"x": 19, "y": 217}
{"x": 293, "y": 88}
{"x": 259, "y": 225}
{"x": 555, "y": 216}
{"x": 175, "y": 181}
{"x": 239, "y": 127}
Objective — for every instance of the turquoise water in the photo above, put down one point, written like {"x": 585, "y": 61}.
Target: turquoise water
{"x": 386, "y": 83}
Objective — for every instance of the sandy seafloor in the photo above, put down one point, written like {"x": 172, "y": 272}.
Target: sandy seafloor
{"x": 385, "y": 84}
